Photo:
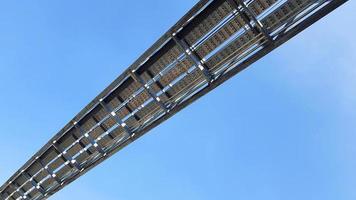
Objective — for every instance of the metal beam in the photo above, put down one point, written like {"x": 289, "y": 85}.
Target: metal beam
{"x": 116, "y": 118}
{"x": 192, "y": 56}
{"x": 91, "y": 140}
{"x": 233, "y": 70}
{"x": 8, "y": 194}
{"x": 250, "y": 17}
{"x": 2, "y": 195}
{"x": 65, "y": 156}
{"x": 34, "y": 183}
{"x": 149, "y": 73}
{"x": 101, "y": 125}
{"x": 50, "y": 172}
{"x": 138, "y": 79}
{"x": 17, "y": 188}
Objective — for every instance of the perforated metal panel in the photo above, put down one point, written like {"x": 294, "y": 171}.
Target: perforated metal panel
{"x": 229, "y": 29}
{"x": 236, "y": 47}
{"x": 208, "y": 19}
{"x": 285, "y": 13}
{"x": 215, "y": 40}
{"x": 257, "y": 7}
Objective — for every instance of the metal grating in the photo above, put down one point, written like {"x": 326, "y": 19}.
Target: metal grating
{"x": 214, "y": 41}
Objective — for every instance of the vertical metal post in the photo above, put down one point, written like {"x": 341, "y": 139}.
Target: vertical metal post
{"x": 191, "y": 55}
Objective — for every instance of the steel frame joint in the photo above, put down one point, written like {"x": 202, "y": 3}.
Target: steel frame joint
{"x": 252, "y": 17}
{"x": 191, "y": 55}
{"x": 138, "y": 79}
{"x": 109, "y": 111}
{"x": 91, "y": 140}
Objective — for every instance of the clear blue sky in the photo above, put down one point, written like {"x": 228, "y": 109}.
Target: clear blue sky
{"x": 283, "y": 129}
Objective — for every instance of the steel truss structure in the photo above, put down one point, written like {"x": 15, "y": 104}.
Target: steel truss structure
{"x": 214, "y": 41}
